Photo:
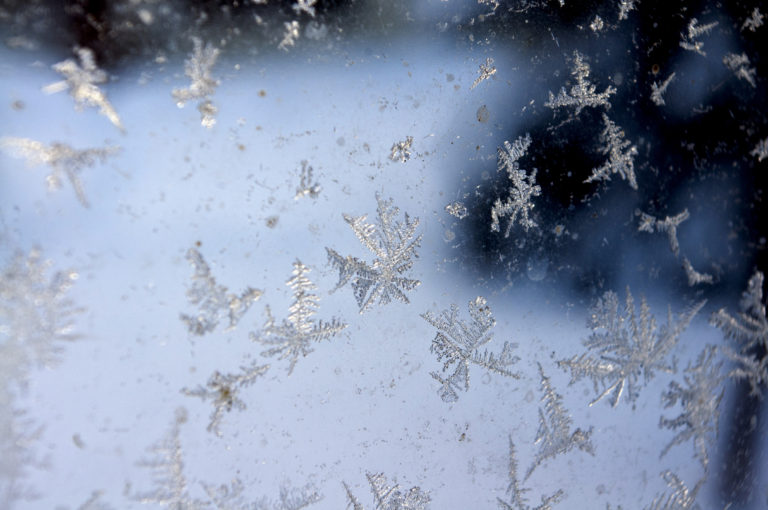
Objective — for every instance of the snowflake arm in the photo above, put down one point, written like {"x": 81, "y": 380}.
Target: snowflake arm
{"x": 517, "y": 500}
{"x": 680, "y": 498}
{"x": 518, "y": 204}
{"x": 486, "y": 70}
{"x": 583, "y": 93}
{"x": 689, "y": 41}
{"x": 202, "y": 85}
{"x": 739, "y": 65}
{"x": 390, "y": 497}
{"x": 694, "y": 277}
{"x": 621, "y": 155}
{"x": 668, "y": 225}
{"x": 658, "y": 90}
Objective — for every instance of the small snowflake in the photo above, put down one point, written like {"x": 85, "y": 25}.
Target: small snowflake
{"x": 401, "y": 151}
{"x": 658, "y": 90}
{"x": 518, "y": 205}
{"x": 621, "y": 155}
{"x": 486, "y": 70}
{"x": 202, "y": 85}
{"x": 583, "y": 93}
{"x": 689, "y": 41}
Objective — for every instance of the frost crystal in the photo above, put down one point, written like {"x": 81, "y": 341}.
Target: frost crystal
{"x": 389, "y": 497}
{"x": 624, "y": 7}
{"x": 749, "y": 329}
{"x": 81, "y": 80}
{"x": 457, "y": 209}
{"x": 213, "y": 300}
{"x": 290, "y": 35}
{"x": 458, "y": 344}
{"x": 739, "y": 65}
{"x": 597, "y": 24}
{"x": 307, "y": 6}
{"x": 294, "y": 337}
{"x": 689, "y": 41}
{"x": 308, "y": 186}
{"x": 517, "y": 500}
{"x": 694, "y": 277}
{"x": 401, "y": 151}
{"x": 202, "y": 85}
{"x": 658, "y": 90}
{"x": 621, "y": 155}
{"x": 623, "y": 346}
{"x": 761, "y": 150}
{"x": 223, "y": 390}
{"x": 94, "y": 503}
{"x": 63, "y": 160}
{"x": 393, "y": 244}
{"x": 523, "y": 189}
{"x": 486, "y": 70}
{"x": 681, "y": 498}
{"x": 583, "y": 93}
{"x": 668, "y": 225}
{"x": 754, "y": 21}
{"x": 554, "y": 436}
{"x": 700, "y": 400}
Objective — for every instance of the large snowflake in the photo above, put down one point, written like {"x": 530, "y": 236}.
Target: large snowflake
{"x": 518, "y": 204}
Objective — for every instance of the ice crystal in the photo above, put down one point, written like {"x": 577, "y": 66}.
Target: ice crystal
{"x": 457, "y": 209}
{"x": 597, "y": 24}
{"x": 624, "y": 7}
{"x": 739, "y": 65}
{"x": 761, "y": 150}
{"x": 487, "y": 69}
{"x": 401, "y": 151}
{"x": 750, "y": 330}
{"x": 680, "y": 498}
{"x": 307, "y": 6}
{"x": 63, "y": 160}
{"x": 458, "y": 343}
{"x": 621, "y": 155}
{"x": 754, "y": 21}
{"x": 517, "y": 500}
{"x": 212, "y": 299}
{"x": 294, "y": 336}
{"x": 202, "y": 85}
{"x": 389, "y": 497}
{"x": 230, "y": 497}
{"x": 658, "y": 90}
{"x": 223, "y": 390}
{"x": 290, "y": 36}
{"x": 394, "y": 245}
{"x": 668, "y": 225}
{"x": 308, "y": 187}
{"x": 624, "y": 345}
{"x": 689, "y": 41}
{"x": 700, "y": 401}
{"x": 694, "y": 277}
{"x": 94, "y": 503}
{"x": 518, "y": 204}
{"x": 582, "y": 94}
{"x": 82, "y": 81}
{"x": 554, "y": 436}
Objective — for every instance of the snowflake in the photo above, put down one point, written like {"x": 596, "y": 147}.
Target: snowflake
{"x": 621, "y": 155}
{"x": 700, "y": 400}
{"x": 202, "y": 85}
{"x": 624, "y": 346}
{"x": 523, "y": 189}
{"x": 689, "y": 41}
{"x": 694, "y": 277}
{"x": 739, "y": 65}
{"x": 389, "y": 497}
{"x": 754, "y": 21}
{"x": 213, "y": 300}
{"x": 81, "y": 80}
{"x": 517, "y": 500}
{"x": 554, "y": 436}
{"x": 308, "y": 186}
{"x": 401, "y": 150}
{"x": 307, "y": 6}
{"x": 394, "y": 246}
{"x": 458, "y": 344}
{"x": 750, "y": 329}
{"x": 624, "y": 7}
{"x": 486, "y": 70}
{"x": 583, "y": 93}
{"x": 290, "y": 35}
{"x": 457, "y": 209}
{"x": 294, "y": 337}
{"x": 668, "y": 225}
{"x": 761, "y": 150}
{"x": 63, "y": 160}
{"x": 658, "y": 90}
{"x": 681, "y": 498}
{"x": 597, "y": 24}
{"x": 223, "y": 390}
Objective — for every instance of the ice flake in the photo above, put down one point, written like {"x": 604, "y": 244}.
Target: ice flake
{"x": 401, "y": 151}
{"x": 486, "y": 70}
{"x": 761, "y": 150}
{"x": 390, "y": 497}
{"x": 295, "y": 336}
{"x": 658, "y": 90}
{"x": 202, "y": 85}
{"x": 694, "y": 277}
{"x": 754, "y": 21}
{"x": 393, "y": 244}
{"x": 689, "y": 40}
{"x": 668, "y": 225}
{"x": 308, "y": 187}
{"x": 458, "y": 343}
{"x": 621, "y": 155}
{"x": 582, "y": 94}
{"x": 518, "y": 203}
{"x": 517, "y": 500}
{"x": 213, "y": 300}
{"x": 307, "y": 6}
{"x": 624, "y": 7}
{"x": 739, "y": 65}
{"x": 681, "y": 498}
{"x": 290, "y": 36}
{"x": 63, "y": 160}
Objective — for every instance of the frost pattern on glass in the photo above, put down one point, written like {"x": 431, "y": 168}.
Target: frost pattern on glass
{"x": 458, "y": 343}
{"x": 658, "y": 90}
{"x": 214, "y": 302}
{"x": 583, "y": 93}
{"x": 401, "y": 151}
{"x": 554, "y": 436}
{"x": 621, "y": 155}
{"x": 82, "y": 81}
{"x": 394, "y": 246}
{"x": 518, "y": 204}
{"x": 668, "y": 225}
{"x": 739, "y": 65}
{"x": 749, "y": 329}
{"x": 293, "y": 338}
{"x": 689, "y": 41}
{"x": 307, "y": 6}
{"x": 63, "y": 160}
{"x": 624, "y": 345}
{"x": 700, "y": 402}
{"x": 487, "y": 69}
{"x": 389, "y": 497}
{"x": 516, "y": 495}
{"x": 679, "y": 498}
{"x": 202, "y": 84}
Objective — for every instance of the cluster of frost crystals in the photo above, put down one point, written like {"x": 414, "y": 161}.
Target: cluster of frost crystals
{"x": 625, "y": 6}
{"x": 761, "y": 150}
{"x": 458, "y": 343}
{"x": 621, "y": 155}
{"x": 583, "y": 93}
{"x": 82, "y": 80}
{"x": 689, "y": 41}
{"x": 679, "y": 498}
{"x": 296, "y": 334}
{"x": 554, "y": 436}
{"x": 739, "y": 65}
{"x": 517, "y": 500}
{"x": 625, "y": 345}
{"x": 389, "y": 497}
{"x": 202, "y": 85}
{"x": 394, "y": 246}
{"x": 401, "y": 151}
{"x": 518, "y": 203}
{"x": 290, "y": 35}
{"x": 487, "y": 69}
{"x": 750, "y": 330}
{"x": 754, "y": 21}
{"x": 63, "y": 160}
{"x": 658, "y": 90}
{"x": 700, "y": 402}
{"x": 214, "y": 302}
